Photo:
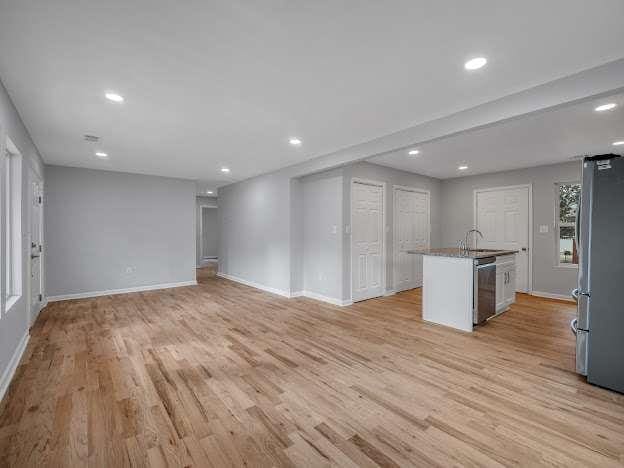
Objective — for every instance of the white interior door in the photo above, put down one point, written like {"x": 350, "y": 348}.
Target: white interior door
{"x": 411, "y": 232}
{"x": 367, "y": 259}
{"x": 502, "y": 215}
{"x": 36, "y": 249}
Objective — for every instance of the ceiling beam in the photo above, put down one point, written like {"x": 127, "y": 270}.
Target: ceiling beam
{"x": 589, "y": 84}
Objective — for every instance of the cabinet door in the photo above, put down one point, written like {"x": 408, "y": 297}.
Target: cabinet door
{"x": 510, "y": 286}
{"x": 500, "y": 288}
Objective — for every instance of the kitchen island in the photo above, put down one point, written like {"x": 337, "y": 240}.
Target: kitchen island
{"x": 462, "y": 288}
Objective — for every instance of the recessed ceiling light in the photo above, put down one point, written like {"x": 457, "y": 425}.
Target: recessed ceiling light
{"x": 225, "y": 169}
{"x": 618, "y": 143}
{"x": 101, "y": 154}
{"x": 462, "y": 168}
{"x": 295, "y": 141}
{"x": 413, "y": 152}
{"x": 114, "y": 97}
{"x": 475, "y": 63}
{"x": 209, "y": 192}
{"x": 605, "y": 107}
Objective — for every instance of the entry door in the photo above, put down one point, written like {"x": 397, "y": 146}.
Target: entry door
{"x": 36, "y": 249}
{"x": 411, "y": 232}
{"x": 502, "y": 216}
{"x": 367, "y": 264}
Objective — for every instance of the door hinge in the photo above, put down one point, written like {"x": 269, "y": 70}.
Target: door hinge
{"x": 40, "y": 297}
{"x": 39, "y": 248}
{"x": 39, "y": 200}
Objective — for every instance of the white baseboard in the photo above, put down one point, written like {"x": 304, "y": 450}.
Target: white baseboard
{"x": 320, "y": 297}
{"x": 253, "y": 284}
{"x": 290, "y": 295}
{"x": 561, "y": 297}
{"x": 151, "y": 287}
{"x": 9, "y": 372}
{"x": 204, "y": 262}
{"x": 390, "y": 292}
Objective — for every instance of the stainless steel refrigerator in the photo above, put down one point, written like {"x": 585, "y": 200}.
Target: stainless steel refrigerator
{"x": 599, "y": 326}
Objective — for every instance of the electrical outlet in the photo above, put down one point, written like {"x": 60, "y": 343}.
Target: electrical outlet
{"x": 334, "y": 229}
{"x": 130, "y": 270}
{"x": 543, "y": 229}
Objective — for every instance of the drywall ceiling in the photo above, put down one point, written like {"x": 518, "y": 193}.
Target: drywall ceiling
{"x": 542, "y": 138}
{"x": 226, "y": 83}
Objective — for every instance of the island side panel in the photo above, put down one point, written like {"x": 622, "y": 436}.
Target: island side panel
{"x": 447, "y": 291}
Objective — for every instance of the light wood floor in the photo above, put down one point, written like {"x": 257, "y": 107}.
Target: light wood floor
{"x": 222, "y": 374}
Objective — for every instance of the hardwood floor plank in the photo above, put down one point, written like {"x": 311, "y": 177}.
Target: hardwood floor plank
{"x": 221, "y": 374}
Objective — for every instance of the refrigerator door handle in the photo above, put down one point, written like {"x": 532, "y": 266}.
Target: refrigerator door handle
{"x": 575, "y": 294}
{"x": 573, "y": 326}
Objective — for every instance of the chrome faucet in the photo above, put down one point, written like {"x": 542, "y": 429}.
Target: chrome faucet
{"x": 476, "y": 239}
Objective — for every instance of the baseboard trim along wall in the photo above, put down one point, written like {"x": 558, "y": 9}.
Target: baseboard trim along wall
{"x": 287, "y": 294}
{"x": 253, "y": 284}
{"x": 561, "y": 297}
{"x": 110, "y": 292}
{"x": 8, "y": 373}
{"x": 329, "y": 300}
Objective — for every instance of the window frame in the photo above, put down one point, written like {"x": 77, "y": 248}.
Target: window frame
{"x": 12, "y": 229}
{"x": 558, "y": 225}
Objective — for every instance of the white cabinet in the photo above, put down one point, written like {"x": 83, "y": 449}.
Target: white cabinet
{"x": 505, "y": 282}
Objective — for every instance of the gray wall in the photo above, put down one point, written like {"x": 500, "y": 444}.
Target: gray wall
{"x": 209, "y": 238}
{"x": 457, "y": 209}
{"x": 391, "y": 177}
{"x": 262, "y": 222}
{"x": 100, "y": 223}
{"x": 322, "y": 234}
{"x": 255, "y": 230}
{"x": 14, "y": 325}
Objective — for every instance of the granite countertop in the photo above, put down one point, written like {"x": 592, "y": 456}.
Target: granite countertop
{"x": 457, "y": 253}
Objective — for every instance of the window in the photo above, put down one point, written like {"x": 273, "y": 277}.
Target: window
{"x": 567, "y": 206}
{"x": 12, "y": 230}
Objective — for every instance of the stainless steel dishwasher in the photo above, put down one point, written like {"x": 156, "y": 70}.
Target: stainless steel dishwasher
{"x": 484, "y": 296}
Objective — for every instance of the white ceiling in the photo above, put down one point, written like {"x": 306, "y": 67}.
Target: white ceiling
{"x": 212, "y": 83}
{"x": 543, "y": 138}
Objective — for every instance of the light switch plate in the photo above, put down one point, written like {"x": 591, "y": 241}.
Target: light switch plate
{"x": 543, "y": 229}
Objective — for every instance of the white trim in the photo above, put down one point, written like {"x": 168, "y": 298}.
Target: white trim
{"x": 110, "y": 292}
{"x": 286, "y": 294}
{"x": 390, "y": 292}
{"x": 395, "y": 250}
{"x": 253, "y": 284}
{"x": 9, "y": 372}
{"x": 329, "y": 300}
{"x": 358, "y": 180}
{"x": 202, "y": 257}
{"x": 561, "y": 297}
{"x": 529, "y": 187}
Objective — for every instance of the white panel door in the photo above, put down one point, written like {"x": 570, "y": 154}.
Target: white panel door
{"x": 502, "y": 216}
{"x": 411, "y": 232}
{"x": 36, "y": 249}
{"x": 367, "y": 241}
